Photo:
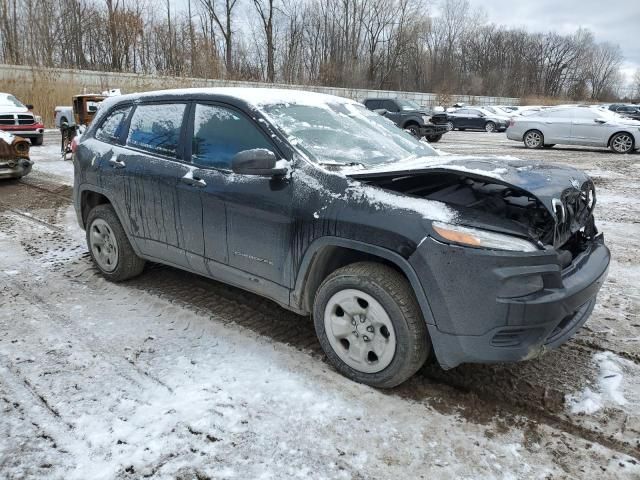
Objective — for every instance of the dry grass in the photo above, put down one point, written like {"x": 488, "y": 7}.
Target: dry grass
{"x": 552, "y": 101}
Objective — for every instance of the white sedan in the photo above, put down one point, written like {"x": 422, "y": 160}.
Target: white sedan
{"x": 579, "y": 125}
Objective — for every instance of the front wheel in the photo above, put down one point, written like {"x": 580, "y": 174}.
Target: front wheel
{"x": 414, "y": 130}
{"x": 533, "y": 139}
{"x": 370, "y": 326}
{"x": 490, "y": 127}
{"x": 622, "y": 143}
{"x": 109, "y": 246}
{"x": 434, "y": 138}
{"x": 37, "y": 141}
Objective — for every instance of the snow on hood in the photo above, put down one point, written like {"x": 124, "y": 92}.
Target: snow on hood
{"x": 6, "y": 136}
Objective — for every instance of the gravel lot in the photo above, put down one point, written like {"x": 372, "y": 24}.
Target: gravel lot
{"x": 172, "y": 375}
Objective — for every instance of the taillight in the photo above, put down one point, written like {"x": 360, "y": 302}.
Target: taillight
{"x": 74, "y": 144}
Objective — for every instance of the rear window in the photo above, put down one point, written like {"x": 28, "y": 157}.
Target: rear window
{"x": 156, "y": 128}
{"x": 111, "y": 128}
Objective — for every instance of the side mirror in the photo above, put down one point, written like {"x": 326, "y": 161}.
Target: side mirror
{"x": 29, "y": 106}
{"x": 257, "y": 161}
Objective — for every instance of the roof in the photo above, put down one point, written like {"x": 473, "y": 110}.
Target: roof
{"x": 251, "y": 96}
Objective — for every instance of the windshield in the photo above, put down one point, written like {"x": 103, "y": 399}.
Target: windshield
{"x": 10, "y": 101}
{"x": 345, "y": 133}
{"x": 408, "y": 105}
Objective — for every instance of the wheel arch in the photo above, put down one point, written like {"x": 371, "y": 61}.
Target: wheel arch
{"x": 621, "y": 131}
{"x": 409, "y": 122}
{"x": 325, "y": 255}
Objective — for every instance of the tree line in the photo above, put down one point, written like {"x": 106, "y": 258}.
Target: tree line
{"x": 444, "y": 47}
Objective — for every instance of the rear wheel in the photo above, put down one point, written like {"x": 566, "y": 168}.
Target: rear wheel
{"x": 370, "y": 325}
{"x": 533, "y": 139}
{"x": 490, "y": 127}
{"x": 622, "y": 143}
{"x": 109, "y": 246}
{"x": 414, "y": 130}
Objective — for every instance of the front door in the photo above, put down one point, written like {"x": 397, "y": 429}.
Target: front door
{"x": 253, "y": 213}
{"x": 589, "y": 128}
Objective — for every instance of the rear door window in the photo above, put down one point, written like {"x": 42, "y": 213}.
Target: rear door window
{"x": 111, "y": 128}
{"x": 156, "y": 128}
{"x": 219, "y": 133}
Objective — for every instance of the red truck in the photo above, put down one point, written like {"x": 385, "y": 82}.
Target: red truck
{"x": 19, "y": 119}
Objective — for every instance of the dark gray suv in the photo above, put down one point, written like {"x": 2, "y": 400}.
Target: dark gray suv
{"x": 330, "y": 210}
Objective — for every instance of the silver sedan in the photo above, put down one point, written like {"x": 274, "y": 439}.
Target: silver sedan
{"x": 588, "y": 126}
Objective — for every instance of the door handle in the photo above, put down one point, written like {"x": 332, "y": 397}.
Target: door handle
{"x": 116, "y": 162}
{"x": 192, "y": 181}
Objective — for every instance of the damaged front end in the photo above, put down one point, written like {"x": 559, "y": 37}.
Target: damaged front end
{"x": 14, "y": 156}
{"x": 549, "y": 205}
{"x": 503, "y": 302}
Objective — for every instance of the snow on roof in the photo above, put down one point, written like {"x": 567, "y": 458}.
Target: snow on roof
{"x": 255, "y": 96}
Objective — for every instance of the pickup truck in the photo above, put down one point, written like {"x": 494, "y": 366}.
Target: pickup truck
{"x": 411, "y": 117}
{"x": 19, "y": 119}
{"x": 81, "y": 113}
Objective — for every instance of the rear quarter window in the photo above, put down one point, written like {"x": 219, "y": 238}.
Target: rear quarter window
{"x": 156, "y": 128}
{"x": 111, "y": 128}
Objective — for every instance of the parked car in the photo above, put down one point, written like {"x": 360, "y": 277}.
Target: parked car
{"x": 19, "y": 119}
{"x": 629, "y": 111}
{"x": 472, "y": 118}
{"x": 410, "y": 116}
{"x": 588, "y": 126}
{"x": 332, "y": 211}
{"x": 14, "y": 156}
{"x": 81, "y": 112}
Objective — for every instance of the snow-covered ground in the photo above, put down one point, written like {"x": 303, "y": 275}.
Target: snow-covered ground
{"x": 180, "y": 380}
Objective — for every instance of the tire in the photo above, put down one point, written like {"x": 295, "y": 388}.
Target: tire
{"x": 37, "y": 141}
{"x": 450, "y": 126}
{"x": 434, "y": 138}
{"x": 414, "y": 130}
{"x": 389, "y": 321}
{"x": 103, "y": 223}
{"x": 622, "y": 143}
{"x": 533, "y": 139}
{"x": 490, "y": 127}
{"x": 549, "y": 145}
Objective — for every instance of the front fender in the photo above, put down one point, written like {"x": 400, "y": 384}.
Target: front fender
{"x": 306, "y": 265}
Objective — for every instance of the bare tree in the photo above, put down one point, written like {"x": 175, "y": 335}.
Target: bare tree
{"x": 223, "y": 21}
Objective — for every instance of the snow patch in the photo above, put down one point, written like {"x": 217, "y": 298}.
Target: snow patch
{"x": 608, "y": 389}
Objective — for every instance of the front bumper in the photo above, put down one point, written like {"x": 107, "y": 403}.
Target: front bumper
{"x": 15, "y": 168}
{"x": 431, "y": 129}
{"x": 493, "y": 306}
{"x": 24, "y": 131}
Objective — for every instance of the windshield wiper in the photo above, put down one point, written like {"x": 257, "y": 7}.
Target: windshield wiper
{"x": 343, "y": 164}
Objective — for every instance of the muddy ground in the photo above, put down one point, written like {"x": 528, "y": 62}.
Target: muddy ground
{"x": 171, "y": 375}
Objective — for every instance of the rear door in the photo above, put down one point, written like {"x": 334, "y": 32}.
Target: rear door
{"x": 393, "y": 111}
{"x": 555, "y": 125}
{"x": 154, "y": 203}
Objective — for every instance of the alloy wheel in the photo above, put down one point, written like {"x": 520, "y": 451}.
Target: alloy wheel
{"x": 533, "y": 139}
{"x": 622, "y": 143}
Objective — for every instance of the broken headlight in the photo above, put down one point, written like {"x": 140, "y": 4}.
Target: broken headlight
{"x": 473, "y": 237}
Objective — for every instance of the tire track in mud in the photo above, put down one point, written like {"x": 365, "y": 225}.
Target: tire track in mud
{"x": 534, "y": 389}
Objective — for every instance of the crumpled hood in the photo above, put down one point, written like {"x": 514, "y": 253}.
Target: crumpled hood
{"x": 547, "y": 182}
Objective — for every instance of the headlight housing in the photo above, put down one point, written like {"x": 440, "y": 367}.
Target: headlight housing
{"x": 474, "y": 237}
{"x": 426, "y": 119}
{"x": 38, "y": 119}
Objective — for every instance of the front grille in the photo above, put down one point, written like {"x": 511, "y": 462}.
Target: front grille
{"x": 25, "y": 119}
{"x": 7, "y": 120}
{"x": 573, "y": 210}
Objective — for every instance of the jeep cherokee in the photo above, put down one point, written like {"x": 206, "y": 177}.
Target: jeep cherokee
{"x": 330, "y": 210}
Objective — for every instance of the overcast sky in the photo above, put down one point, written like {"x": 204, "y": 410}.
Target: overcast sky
{"x": 615, "y": 21}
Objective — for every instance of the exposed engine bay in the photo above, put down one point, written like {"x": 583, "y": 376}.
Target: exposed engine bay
{"x": 566, "y": 228}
